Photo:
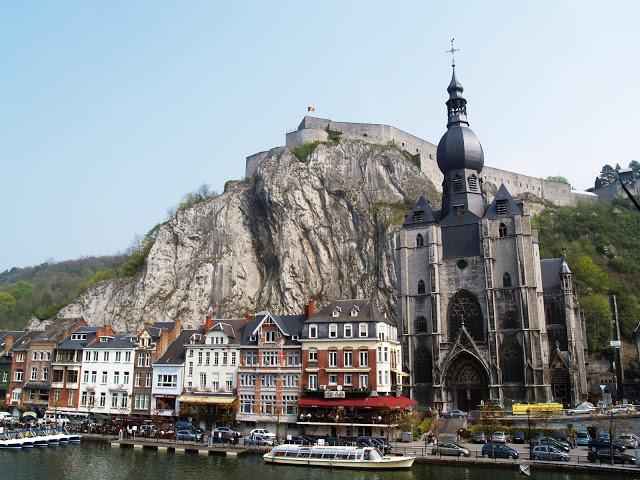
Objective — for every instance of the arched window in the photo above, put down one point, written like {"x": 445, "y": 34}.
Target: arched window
{"x": 457, "y": 184}
{"x": 506, "y": 280}
{"x": 473, "y": 182}
{"x": 512, "y": 364}
{"x": 419, "y": 240}
{"x": 502, "y": 230}
{"x": 465, "y": 309}
{"x": 421, "y": 325}
{"x": 421, "y": 287}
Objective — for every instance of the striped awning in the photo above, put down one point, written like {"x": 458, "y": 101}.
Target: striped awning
{"x": 207, "y": 399}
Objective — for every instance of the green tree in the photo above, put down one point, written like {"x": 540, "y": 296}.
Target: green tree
{"x": 7, "y": 302}
{"x": 597, "y": 312}
{"x": 589, "y": 276}
{"x": 608, "y": 175}
{"x": 557, "y": 178}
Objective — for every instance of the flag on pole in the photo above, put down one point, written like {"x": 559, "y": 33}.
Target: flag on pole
{"x": 311, "y": 109}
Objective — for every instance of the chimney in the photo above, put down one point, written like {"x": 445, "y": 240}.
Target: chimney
{"x": 311, "y": 308}
{"x": 208, "y": 323}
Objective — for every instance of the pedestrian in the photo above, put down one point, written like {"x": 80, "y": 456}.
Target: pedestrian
{"x": 235, "y": 438}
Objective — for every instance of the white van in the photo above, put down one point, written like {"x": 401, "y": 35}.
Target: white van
{"x": 53, "y": 417}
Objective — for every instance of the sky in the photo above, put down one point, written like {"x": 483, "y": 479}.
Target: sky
{"x": 111, "y": 111}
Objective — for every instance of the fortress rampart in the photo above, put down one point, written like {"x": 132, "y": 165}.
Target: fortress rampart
{"x": 313, "y": 129}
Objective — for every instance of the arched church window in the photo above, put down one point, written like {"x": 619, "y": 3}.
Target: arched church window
{"x": 502, "y": 230}
{"x": 421, "y": 325}
{"x": 457, "y": 184}
{"x": 419, "y": 240}
{"x": 512, "y": 364}
{"x": 473, "y": 182}
{"x": 465, "y": 309}
{"x": 421, "y": 287}
{"x": 506, "y": 280}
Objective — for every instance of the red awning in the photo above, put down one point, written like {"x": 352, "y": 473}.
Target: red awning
{"x": 362, "y": 402}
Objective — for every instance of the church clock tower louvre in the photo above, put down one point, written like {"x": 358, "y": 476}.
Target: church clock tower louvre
{"x": 471, "y": 291}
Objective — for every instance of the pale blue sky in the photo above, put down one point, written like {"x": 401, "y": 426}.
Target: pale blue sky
{"x": 111, "y": 111}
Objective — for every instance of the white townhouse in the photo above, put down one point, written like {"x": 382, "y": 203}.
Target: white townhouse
{"x": 106, "y": 382}
{"x": 168, "y": 377}
{"x": 211, "y": 367}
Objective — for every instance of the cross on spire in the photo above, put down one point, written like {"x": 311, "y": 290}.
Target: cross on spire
{"x": 452, "y": 51}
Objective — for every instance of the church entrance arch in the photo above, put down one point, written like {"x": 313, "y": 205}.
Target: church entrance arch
{"x": 467, "y": 382}
{"x": 560, "y": 386}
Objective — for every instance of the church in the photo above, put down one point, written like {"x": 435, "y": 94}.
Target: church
{"x": 482, "y": 316}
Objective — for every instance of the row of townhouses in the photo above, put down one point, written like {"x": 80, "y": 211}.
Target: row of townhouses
{"x": 337, "y": 371}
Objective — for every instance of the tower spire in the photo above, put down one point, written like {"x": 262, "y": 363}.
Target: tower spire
{"x": 456, "y": 105}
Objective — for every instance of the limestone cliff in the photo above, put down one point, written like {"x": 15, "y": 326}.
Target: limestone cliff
{"x": 296, "y": 230}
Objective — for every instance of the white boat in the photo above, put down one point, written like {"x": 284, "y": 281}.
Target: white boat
{"x": 73, "y": 437}
{"x": 9, "y": 442}
{"x": 26, "y": 442}
{"x": 39, "y": 438}
{"x": 62, "y": 436}
{"x": 335, "y": 457}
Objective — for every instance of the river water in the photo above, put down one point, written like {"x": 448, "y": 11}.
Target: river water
{"x": 94, "y": 460}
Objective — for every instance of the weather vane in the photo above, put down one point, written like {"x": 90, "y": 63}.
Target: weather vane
{"x": 452, "y": 52}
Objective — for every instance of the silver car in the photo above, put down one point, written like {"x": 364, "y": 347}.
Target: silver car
{"x": 499, "y": 437}
{"x": 544, "y": 452}
{"x": 629, "y": 440}
{"x": 450, "y": 449}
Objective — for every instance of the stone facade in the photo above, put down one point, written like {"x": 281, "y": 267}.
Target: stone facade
{"x": 471, "y": 290}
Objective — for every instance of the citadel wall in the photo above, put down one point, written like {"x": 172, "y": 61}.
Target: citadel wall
{"x": 313, "y": 129}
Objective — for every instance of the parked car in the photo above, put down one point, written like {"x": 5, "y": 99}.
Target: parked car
{"x": 454, "y": 414}
{"x": 582, "y": 438}
{"x": 604, "y": 442}
{"x": 549, "y": 441}
{"x": 479, "y": 437}
{"x": 189, "y": 435}
{"x": 450, "y": 449}
{"x": 629, "y": 440}
{"x": 259, "y": 440}
{"x": 263, "y": 432}
{"x": 5, "y": 416}
{"x": 546, "y": 452}
{"x": 406, "y": 437}
{"x": 498, "y": 450}
{"x": 227, "y": 433}
{"x": 299, "y": 440}
{"x": 534, "y": 437}
{"x": 604, "y": 456}
{"x": 518, "y": 437}
{"x": 499, "y": 437}
{"x": 583, "y": 409}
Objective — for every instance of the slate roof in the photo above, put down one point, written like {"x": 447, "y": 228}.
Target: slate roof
{"x": 121, "y": 340}
{"x": 513, "y": 207}
{"x": 69, "y": 344}
{"x": 420, "y": 214}
{"x": 176, "y": 352}
{"x": 290, "y": 326}
{"x": 232, "y": 328}
{"x": 367, "y": 312}
{"x": 552, "y": 269}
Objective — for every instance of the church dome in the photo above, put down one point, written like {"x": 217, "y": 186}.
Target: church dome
{"x": 459, "y": 148}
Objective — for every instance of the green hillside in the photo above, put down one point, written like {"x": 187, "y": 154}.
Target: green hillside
{"x": 44, "y": 289}
{"x": 602, "y": 242}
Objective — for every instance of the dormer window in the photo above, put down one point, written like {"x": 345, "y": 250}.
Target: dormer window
{"x": 418, "y": 217}
{"x": 333, "y": 330}
{"x": 501, "y": 207}
{"x": 457, "y": 184}
{"x": 363, "y": 330}
{"x": 355, "y": 310}
{"x": 252, "y": 338}
{"x": 295, "y": 337}
{"x": 336, "y": 311}
{"x": 313, "y": 331}
{"x": 104, "y": 339}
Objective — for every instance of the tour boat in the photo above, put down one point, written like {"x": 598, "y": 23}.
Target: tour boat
{"x": 26, "y": 442}
{"x": 339, "y": 456}
{"x": 73, "y": 437}
{"x": 63, "y": 437}
{"x": 10, "y": 442}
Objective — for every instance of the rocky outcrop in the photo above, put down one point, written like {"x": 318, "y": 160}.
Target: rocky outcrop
{"x": 296, "y": 230}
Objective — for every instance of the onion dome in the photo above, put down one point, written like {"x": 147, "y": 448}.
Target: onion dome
{"x": 459, "y": 147}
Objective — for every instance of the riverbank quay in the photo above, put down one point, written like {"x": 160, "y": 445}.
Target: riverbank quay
{"x": 183, "y": 447}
